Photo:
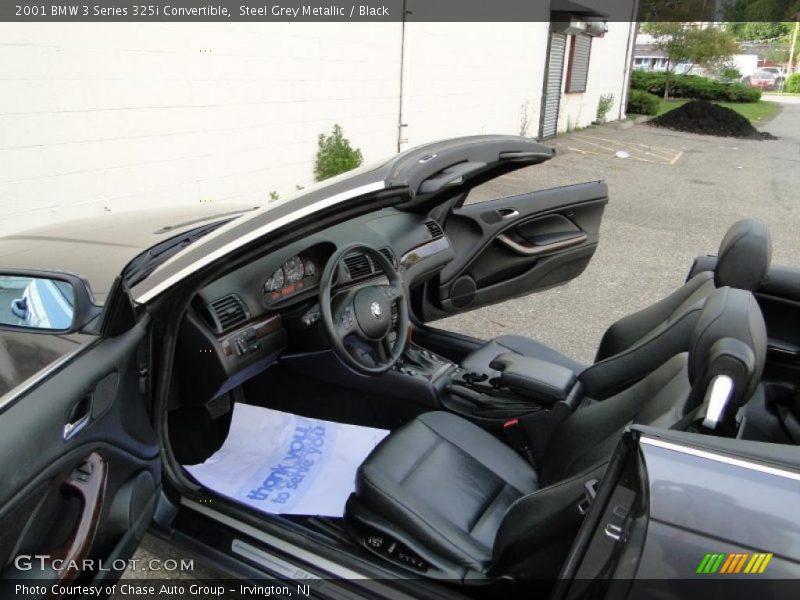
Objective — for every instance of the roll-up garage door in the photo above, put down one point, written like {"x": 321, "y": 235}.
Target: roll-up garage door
{"x": 552, "y": 92}
{"x": 578, "y": 70}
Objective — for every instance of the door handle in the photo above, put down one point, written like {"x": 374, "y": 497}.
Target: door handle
{"x": 537, "y": 249}
{"x": 88, "y": 482}
{"x": 79, "y": 418}
{"x": 508, "y": 213}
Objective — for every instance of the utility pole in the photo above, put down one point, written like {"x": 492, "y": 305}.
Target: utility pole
{"x": 790, "y": 66}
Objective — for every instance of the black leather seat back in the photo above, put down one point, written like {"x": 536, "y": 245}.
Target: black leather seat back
{"x": 730, "y": 339}
{"x": 744, "y": 256}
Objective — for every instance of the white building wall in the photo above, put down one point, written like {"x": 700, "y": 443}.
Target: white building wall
{"x": 472, "y": 78}
{"x": 126, "y": 116}
{"x": 607, "y": 75}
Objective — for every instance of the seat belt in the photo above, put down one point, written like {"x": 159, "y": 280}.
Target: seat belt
{"x": 518, "y": 439}
{"x": 690, "y": 418}
{"x": 789, "y": 422}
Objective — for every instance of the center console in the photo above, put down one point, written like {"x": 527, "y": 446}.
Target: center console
{"x": 522, "y": 386}
{"x": 422, "y": 364}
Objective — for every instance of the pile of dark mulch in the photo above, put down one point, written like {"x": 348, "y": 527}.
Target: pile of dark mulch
{"x": 706, "y": 118}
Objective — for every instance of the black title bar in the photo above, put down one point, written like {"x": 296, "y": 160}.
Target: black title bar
{"x": 393, "y": 10}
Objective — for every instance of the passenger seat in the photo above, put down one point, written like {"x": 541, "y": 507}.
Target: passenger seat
{"x": 665, "y": 327}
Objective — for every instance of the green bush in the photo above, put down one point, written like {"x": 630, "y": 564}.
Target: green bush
{"x": 642, "y": 103}
{"x": 604, "y": 106}
{"x": 335, "y": 155}
{"x": 792, "y": 84}
{"x": 693, "y": 86}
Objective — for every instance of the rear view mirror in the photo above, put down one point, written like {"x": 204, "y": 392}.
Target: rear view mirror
{"x": 43, "y": 301}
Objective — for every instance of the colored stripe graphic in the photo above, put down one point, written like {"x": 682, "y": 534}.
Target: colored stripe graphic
{"x": 722, "y": 563}
{"x": 764, "y": 564}
{"x": 715, "y": 563}
{"x": 703, "y": 564}
{"x": 741, "y": 562}
{"x": 729, "y": 563}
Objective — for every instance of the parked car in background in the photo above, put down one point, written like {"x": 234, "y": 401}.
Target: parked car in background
{"x": 765, "y": 79}
{"x": 780, "y": 75}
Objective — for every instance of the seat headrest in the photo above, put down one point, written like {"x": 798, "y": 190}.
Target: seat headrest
{"x": 730, "y": 338}
{"x": 744, "y": 256}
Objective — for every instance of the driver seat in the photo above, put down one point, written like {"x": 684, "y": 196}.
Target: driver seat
{"x": 446, "y": 499}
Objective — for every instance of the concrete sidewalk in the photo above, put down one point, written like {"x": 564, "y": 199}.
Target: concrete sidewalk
{"x": 661, "y": 214}
{"x": 781, "y": 98}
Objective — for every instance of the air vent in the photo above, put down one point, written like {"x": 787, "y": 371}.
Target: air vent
{"x": 434, "y": 229}
{"x": 228, "y": 311}
{"x": 358, "y": 265}
{"x": 388, "y": 254}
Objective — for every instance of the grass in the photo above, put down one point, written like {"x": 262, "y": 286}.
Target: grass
{"x": 752, "y": 111}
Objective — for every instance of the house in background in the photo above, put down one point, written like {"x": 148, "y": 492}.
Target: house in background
{"x": 752, "y": 56}
{"x": 121, "y": 116}
{"x": 648, "y": 58}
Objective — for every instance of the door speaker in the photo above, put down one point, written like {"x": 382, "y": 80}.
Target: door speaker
{"x": 462, "y": 292}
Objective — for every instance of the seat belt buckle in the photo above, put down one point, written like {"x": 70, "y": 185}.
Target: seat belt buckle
{"x": 589, "y": 494}
{"x": 518, "y": 440}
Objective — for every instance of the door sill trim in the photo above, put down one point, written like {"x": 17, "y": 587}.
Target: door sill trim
{"x": 320, "y": 562}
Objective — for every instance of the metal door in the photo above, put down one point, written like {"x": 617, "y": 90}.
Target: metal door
{"x": 552, "y": 87}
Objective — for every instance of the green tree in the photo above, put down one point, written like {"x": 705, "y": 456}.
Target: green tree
{"x": 763, "y": 11}
{"x": 755, "y": 31}
{"x": 335, "y": 155}
{"x": 677, "y": 11}
{"x": 688, "y": 44}
{"x": 729, "y": 73}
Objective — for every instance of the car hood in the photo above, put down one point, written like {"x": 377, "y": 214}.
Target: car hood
{"x": 98, "y": 248}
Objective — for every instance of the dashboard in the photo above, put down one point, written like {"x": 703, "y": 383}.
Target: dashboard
{"x": 243, "y": 321}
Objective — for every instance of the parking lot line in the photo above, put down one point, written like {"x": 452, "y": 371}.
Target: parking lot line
{"x": 649, "y": 146}
{"x": 636, "y": 151}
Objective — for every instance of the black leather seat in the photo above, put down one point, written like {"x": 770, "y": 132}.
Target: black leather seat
{"x": 447, "y": 498}
{"x": 743, "y": 262}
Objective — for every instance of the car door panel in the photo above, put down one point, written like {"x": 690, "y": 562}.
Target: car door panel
{"x": 514, "y": 246}
{"x": 79, "y": 462}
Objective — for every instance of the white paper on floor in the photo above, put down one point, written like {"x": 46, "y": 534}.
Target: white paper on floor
{"x": 283, "y": 463}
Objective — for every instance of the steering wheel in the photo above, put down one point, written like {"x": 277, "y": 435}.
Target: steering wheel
{"x": 358, "y": 319}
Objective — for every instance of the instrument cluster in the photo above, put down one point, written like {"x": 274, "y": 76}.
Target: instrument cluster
{"x": 295, "y": 275}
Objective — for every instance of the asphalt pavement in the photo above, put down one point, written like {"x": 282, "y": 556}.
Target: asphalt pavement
{"x": 661, "y": 214}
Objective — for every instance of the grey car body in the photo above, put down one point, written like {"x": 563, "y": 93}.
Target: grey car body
{"x": 98, "y": 249}
{"x": 682, "y": 495}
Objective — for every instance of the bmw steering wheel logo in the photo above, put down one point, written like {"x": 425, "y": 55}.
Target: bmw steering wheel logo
{"x": 376, "y": 310}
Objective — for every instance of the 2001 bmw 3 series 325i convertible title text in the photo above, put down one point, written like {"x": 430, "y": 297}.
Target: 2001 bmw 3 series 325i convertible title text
{"x": 266, "y": 387}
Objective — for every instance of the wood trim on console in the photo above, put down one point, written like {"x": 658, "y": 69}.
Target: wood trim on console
{"x": 422, "y": 252}
{"x": 262, "y": 327}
